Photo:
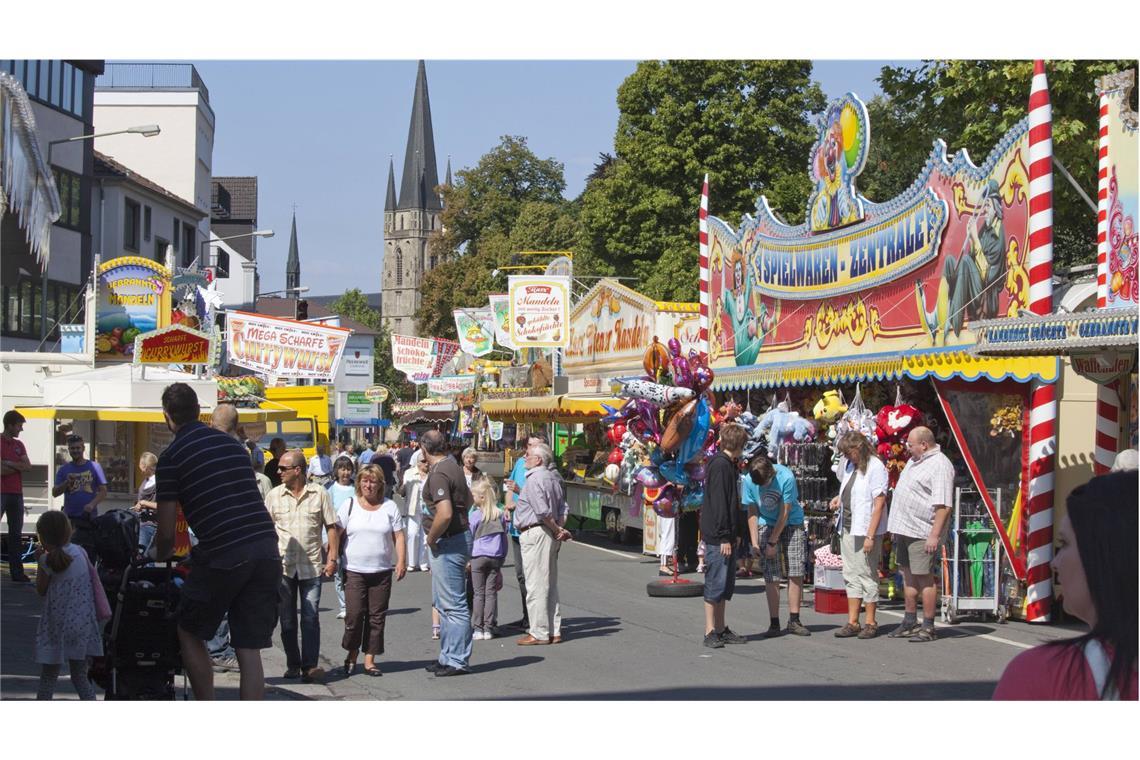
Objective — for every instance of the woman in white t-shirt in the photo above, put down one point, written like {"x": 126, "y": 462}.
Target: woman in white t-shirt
{"x": 372, "y": 534}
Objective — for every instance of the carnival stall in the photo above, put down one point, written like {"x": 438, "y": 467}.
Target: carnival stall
{"x": 864, "y": 316}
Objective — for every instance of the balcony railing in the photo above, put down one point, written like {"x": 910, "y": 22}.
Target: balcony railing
{"x": 155, "y": 76}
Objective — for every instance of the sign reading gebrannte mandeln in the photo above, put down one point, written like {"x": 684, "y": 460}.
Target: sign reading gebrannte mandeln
{"x": 540, "y": 311}
{"x": 174, "y": 345}
{"x": 284, "y": 347}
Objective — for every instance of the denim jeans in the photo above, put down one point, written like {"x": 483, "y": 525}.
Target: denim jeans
{"x": 449, "y": 597}
{"x": 339, "y": 582}
{"x": 146, "y": 534}
{"x": 310, "y": 593}
{"x": 219, "y": 646}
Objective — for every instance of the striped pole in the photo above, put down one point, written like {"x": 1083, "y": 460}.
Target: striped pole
{"x": 1043, "y": 398}
{"x": 1107, "y": 400}
{"x": 1102, "y": 207}
{"x": 704, "y": 273}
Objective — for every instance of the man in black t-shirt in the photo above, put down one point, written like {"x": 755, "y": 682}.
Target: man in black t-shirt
{"x": 447, "y": 498}
{"x": 719, "y": 513}
{"x": 235, "y": 567}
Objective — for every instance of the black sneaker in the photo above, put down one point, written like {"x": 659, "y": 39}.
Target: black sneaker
{"x": 445, "y": 671}
{"x": 773, "y": 632}
{"x": 293, "y": 673}
{"x": 434, "y": 667}
{"x": 904, "y": 631}
{"x": 713, "y": 640}
{"x": 728, "y": 637}
{"x": 796, "y": 628}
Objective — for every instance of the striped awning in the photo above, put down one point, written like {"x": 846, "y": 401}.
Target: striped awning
{"x": 562, "y": 409}
{"x": 942, "y": 365}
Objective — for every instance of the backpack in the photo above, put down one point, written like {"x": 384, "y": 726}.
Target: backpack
{"x": 117, "y": 538}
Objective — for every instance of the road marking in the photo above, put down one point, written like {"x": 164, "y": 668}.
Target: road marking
{"x": 623, "y": 555}
{"x": 986, "y": 636}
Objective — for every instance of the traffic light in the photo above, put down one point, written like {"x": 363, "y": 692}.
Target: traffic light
{"x": 302, "y": 309}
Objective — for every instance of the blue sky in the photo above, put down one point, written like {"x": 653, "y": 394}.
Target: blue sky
{"x": 319, "y": 134}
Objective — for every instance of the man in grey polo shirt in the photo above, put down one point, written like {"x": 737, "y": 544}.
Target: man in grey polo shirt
{"x": 920, "y": 510}
{"x": 539, "y": 515}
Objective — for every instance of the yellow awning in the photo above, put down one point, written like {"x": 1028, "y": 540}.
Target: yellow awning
{"x": 143, "y": 415}
{"x": 562, "y": 409}
{"x": 943, "y": 366}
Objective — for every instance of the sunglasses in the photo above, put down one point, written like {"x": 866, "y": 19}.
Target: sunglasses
{"x": 290, "y": 467}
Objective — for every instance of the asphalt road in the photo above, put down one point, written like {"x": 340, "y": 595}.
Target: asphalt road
{"x": 622, "y": 644}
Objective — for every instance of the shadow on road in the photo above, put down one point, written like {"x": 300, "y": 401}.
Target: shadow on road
{"x": 514, "y": 662}
{"x": 930, "y": 690}
{"x": 589, "y": 627}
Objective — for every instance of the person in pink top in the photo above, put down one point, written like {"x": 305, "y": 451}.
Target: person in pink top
{"x": 15, "y": 464}
{"x": 1095, "y": 564}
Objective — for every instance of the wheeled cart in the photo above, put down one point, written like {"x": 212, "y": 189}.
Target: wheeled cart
{"x": 974, "y": 559}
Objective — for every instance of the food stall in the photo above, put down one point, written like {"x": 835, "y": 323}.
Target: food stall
{"x": 879, "y": 300}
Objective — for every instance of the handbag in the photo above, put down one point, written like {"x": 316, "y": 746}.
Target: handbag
{"x": 102, "y": 606}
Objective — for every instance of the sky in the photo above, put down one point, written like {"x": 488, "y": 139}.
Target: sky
{"x": 318, "y": 134}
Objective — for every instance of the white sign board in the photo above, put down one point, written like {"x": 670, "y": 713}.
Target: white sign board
{"x": 540, "y": 311}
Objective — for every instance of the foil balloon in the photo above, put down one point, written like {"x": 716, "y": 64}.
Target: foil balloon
{"x": 647, "y": 413}
{"x": 619, "y": 428}
{"x": 616, "y": 456}
{"x": 674, "y": 472}
{"x": 682, "y": 373}
{"x": 678, "y": 427}
{"x": 612, "y": 473}
{"x": 656, "y": 359}
{"x": 649, "y": 477}
{"x": 640, "y": 429}
{"x": 693, "y": 498}
{"x": 690, "y": 447}
{"x": 697, "y": 471}
{"x": 702, "y": 379}
{"x": 656, "y": 393}
{"x": 665, "y": 504}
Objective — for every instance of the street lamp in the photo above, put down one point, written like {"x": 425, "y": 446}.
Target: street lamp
{"x": 256, "y": 233}
{"x": 146, "y": 130}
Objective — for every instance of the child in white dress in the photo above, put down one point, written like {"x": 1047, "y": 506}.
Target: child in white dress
{"x": 68, "y": 629}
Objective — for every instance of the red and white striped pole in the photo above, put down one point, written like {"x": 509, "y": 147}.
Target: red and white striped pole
{"x": 1107, "y": 400}
{"x": 704, "y": 266}
{"x": 1043, "y": 399}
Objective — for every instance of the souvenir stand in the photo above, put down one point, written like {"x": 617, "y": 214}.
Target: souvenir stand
{"x": 873, "y": 304}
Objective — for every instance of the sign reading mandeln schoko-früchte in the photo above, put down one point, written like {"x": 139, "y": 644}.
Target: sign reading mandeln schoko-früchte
{"x": 540, "y": 311}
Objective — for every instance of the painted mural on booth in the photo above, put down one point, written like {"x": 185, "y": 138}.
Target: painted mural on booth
{"x": 1123, "y": 193}
{"x": 862, "y": 278}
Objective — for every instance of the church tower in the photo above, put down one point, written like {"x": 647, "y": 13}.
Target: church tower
{"x": 411, "y": 219}
{"x": 293, "y": 263}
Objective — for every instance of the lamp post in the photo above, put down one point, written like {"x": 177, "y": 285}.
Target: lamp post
{"x": 146, "y": 130}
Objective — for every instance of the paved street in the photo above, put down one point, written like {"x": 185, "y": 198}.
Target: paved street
{"x": 622, "y": 644}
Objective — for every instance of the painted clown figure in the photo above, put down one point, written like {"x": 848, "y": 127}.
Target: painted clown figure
{"x": 746, "y": 329}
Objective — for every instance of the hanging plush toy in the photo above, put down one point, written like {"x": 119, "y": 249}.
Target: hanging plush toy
{"x": 893, "y": 426}
{"x": 830, "y": 408}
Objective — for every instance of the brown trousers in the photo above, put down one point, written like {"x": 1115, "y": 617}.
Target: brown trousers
{"x": 366, "y": 597}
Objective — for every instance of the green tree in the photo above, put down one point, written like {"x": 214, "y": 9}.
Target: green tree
{"x": 510, "y": 201}
{"x": 354, "y": 305}
{"x": 746, "y": 123}
{"x": 970, "y": 104}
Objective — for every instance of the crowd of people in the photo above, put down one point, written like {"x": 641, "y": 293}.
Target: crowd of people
{"x": 264, "y": 542}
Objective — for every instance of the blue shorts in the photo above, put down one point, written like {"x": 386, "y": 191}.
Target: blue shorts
{"x": 720, "y": 574}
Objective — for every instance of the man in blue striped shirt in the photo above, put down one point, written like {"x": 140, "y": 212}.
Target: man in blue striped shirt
{"x": 235, "y": 568}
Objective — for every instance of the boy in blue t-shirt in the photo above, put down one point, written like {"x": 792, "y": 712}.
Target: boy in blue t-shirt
{"x": 776, "y": 526}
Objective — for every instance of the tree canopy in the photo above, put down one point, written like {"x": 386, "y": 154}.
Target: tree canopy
{"x": 746, "y": 123}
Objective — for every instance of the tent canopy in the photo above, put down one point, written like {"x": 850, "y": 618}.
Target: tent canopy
{"x": 564, "y": 409}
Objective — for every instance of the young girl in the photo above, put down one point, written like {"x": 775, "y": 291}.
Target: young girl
{"x": 341, "y": 490}
{"x": 488, "y": 526}
{"x": 68, "y": 629}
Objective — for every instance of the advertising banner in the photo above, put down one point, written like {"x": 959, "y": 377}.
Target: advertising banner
{"x": 1122, "y": 238}
{"x": 421, "y": 358}
{"x": 283, "y": 347}
{"x": 378, "y": 393}
{"x": 680, "y": 321}
{"x": 476, "y": 330}
{"x": 611, "y": 323}
{"x": 451, "y": 385}
{"x": 501, "y": 310}
{"x": 356, "y": 408}
{"x": 133, "y": 297}
{"x": 539, "y": 311}
{"x": 174, "y": 345}
{"x": 861, "y": 278}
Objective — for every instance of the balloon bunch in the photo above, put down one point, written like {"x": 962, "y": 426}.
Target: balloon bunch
{"x": 893, "y": 425}
{"x": 669, "y": 415}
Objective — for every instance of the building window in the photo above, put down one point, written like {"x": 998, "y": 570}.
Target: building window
{"x": 146, "y": 224}
{"x": 77, "y": 104}
{"x": 160, "y": 250}
{"x": 188, "y": 250}
{"x": 399, "y": 268}
{"x": 177, "y": 229}
{"x": 67, "y": 85}
{"x": 69, "y": 185}
{"x": 221, "y": 263}
{"x": 131, "y": 217}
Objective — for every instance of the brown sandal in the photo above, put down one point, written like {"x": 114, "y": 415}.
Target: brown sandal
{"x": 847, "y": 631}
{"x": 869, "y": 632}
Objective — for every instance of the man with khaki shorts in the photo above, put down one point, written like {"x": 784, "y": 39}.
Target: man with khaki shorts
{"x": 920, "y": 510}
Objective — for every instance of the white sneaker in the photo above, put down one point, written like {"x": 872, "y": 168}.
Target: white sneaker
{"x": 477, "y": 636}
{"x": 424, "y": 568}
{"x": 341, "y": 615}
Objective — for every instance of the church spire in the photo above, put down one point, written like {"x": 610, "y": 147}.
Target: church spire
{"x": 448, "y": 180}
{"x": 417, "y": 186}
{"x": 390, "y": 201}
{"x": 293, "y": 264}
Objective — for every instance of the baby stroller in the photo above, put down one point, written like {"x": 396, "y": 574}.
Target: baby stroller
{"x": 141, "y": 654}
